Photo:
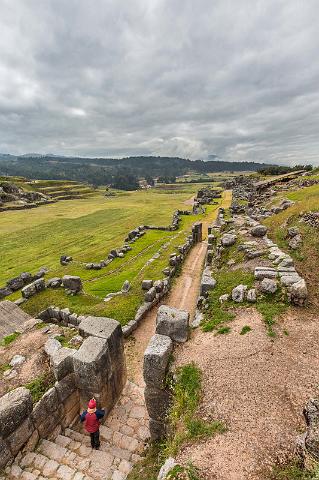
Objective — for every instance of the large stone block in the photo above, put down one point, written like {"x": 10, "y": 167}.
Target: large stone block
{"x": 102, "y": 327}
{"x": 157, "y": 402}
{"x": 93, "y": 369}
{"x": 72, "y": 283}
{"x": 173, "y": 322}
{"x": 20, "y": 436}
{"x": 62, "y": 362}
{"x": 207, "y": 283}
{"x": 66, "y": 387}
{"x": 47, "y": 412}
{"x": 156, "y": 360}
{"x": 15, "y": 407}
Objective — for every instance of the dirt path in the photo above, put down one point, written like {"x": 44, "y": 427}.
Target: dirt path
{"x": 258, "y": 388}
{"x": 183, "y": 295}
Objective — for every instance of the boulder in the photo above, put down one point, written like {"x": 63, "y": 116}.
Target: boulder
{"x": 168, "y": 466}
{"x": 33, "y": 288}
{"x": 265, "y": 272}
{"x": 150, "y": 295}
{"x": 207, "y": 282}
{"x": 72, "y": 283}
{"x": 238, "y": 293}
{"x": 299, "y": 293}
{"x": 268, "y": 285}
{"x": 251, "y": 295}
{"x": 158, "y": 285}
{"x": 17, "y": 360}
{"x": 295, "y": 242}
{"x": 173, "y": 322}
{"x": 228, "y": 239}
{"x": 51, "y": 346}
{"x": 293, "y": 231}
{"x": 224, "y": 298}
{"x": 4, "y": 292}
{"x": 15, "y": 407}
{"x": 147, "y": 284}
{"x": 126, "y": 286}
{"x": 54, "y": 282}
{"x": 311, "y": 413}
{"x": 15, "y": 283}
{"x": 258, "y": 231}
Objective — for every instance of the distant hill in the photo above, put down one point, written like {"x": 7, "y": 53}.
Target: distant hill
{"x": 102, "y": 171}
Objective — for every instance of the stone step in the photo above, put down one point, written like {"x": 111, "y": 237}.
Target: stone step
{"x": 70, "y": 456}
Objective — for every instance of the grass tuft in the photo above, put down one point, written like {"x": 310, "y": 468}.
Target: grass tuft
{"x": 9, "y": 339}
{"x": 245, "y": 329}
{"x": 40, "y": 385}
{"x": 223, "y": 330}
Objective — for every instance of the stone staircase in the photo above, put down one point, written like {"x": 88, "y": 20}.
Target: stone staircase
{"x": 69, "y": 455}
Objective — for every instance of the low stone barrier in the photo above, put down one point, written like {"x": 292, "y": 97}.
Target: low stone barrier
{"x": 172, "y": 325}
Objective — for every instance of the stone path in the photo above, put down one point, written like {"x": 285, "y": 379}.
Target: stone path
{"x": 70, "y": 457}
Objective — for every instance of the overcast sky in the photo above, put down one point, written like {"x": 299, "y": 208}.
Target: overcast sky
{"x": 235, "y": 78}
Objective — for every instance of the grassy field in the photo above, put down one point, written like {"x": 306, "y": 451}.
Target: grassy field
{"x": 87, "y": 229}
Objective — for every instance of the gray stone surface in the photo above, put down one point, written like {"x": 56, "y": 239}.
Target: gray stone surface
{"x": 169, "y": 464}
{"x": 62, "y": 362}
{"x": 268, "y": 285}
{"x": 228, "y": 239}
{"x": 5, "y": 454}
{"x": 15, "y": 406}
{"x": 173, "y": 322}
{"x": 47, "y": 413}
{"x": 156, "y": 360}
{"x": 238, "y": 293}
{"x": 66, "y": 387}
{"x": 72, "y": 283}
{"x": 17, "y": 360}
{"x": 299, "y": 293}
{"x": 251, "y": 295}
{"x": 311, "y": 413}
{"x": 20, "y": 436}
{"x": 265, "y": 272}
{"x": 150, "y": 295}
{"x": 51, "y": 346}
{"x": 102, "y": 327}
{"x": 208, "y": 283}
{"x": 258, "y": 231}
{"x": 126, "y": 286}
{"x": 147, "y": 284}
{"x": 157, "y": 402}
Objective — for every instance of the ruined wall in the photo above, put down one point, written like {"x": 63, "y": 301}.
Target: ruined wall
{"x": 97, "y": 370}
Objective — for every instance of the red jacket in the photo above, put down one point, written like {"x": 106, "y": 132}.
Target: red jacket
{"x": 92, "y": 420}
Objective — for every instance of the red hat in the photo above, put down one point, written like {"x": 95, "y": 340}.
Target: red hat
{"x": 92, "y": 403}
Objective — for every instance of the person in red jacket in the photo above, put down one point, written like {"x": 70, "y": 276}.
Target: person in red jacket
{"x": 91, "y": 418}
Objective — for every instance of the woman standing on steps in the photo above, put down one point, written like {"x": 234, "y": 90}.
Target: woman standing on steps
{"x": 91, "y": 418}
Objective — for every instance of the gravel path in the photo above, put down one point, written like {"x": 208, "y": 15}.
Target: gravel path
{"x": 258, "y": 388}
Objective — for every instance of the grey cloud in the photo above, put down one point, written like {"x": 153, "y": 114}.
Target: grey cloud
{"x": 163, "y": 77}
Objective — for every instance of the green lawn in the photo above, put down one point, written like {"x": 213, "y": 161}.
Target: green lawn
{"x": 88, "y": 229}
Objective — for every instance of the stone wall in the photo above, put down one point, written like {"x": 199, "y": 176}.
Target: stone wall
{"x": 22, "y": 424}
{"x": 172, "y": 325}
{"x": 97, "y": 370}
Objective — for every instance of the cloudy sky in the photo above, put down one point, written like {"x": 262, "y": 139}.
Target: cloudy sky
{"x": 235, "y": 78}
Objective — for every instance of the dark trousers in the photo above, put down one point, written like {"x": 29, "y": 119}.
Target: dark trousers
{"x": 95, "y": 439}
